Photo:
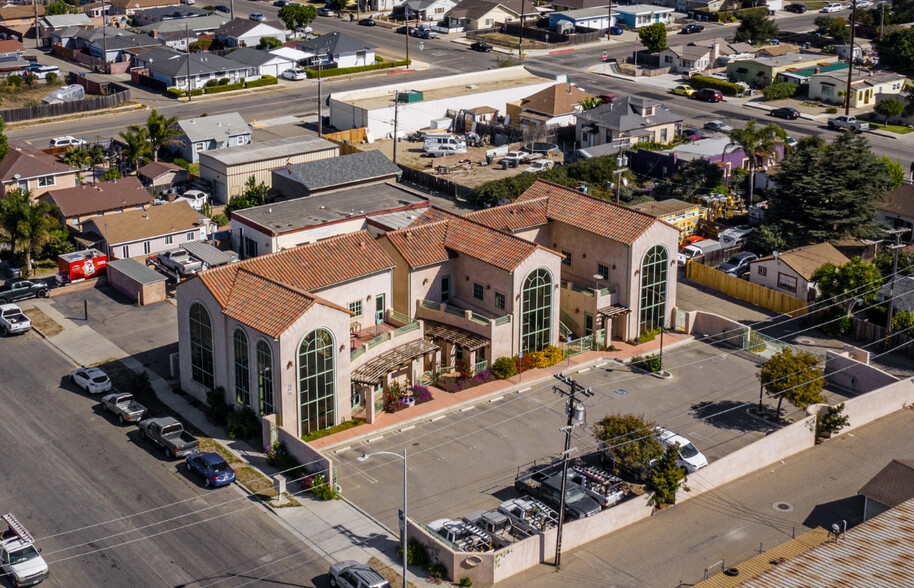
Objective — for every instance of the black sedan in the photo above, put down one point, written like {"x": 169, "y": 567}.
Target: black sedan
{"x": 691, "y": 28}
{"x": 411, "y": 31}
{"x": 281, "y": 3}
{"x": 786, "y": 112}
{"x": 481, "y": 46}
{"x": 796, "y": 8}
{"x": 222, "y": 8}
{"x": 367, "y": 22}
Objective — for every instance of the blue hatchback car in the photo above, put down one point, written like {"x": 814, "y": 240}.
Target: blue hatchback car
{"x": 212, "y": 467}
{"x": 616, "y": 30}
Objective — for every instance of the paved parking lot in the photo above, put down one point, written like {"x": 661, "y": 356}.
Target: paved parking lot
{"x": 468, "y": 460}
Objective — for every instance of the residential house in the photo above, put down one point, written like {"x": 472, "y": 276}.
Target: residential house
{"x": 902, "y": 295}
{"x": 433, "y": 10}
{"x": 12, "y": 64}
{"x": 11, "y": 46}
{"x": 597, "y": 18}
{"x": 762, "y": 71}
{"x": 49, "y": 23}
{"x": 206, "y": 133}
{"x": 338, "y": 49}
{"x": 867, "y": 87}
{"x": 28, "y": 168}
{"x": 555, "y": 106}
{"x": 122, "y": 46}
{"x": 896, "y": 208}
{"x": 130, "y": 7}
{"x": 892, "y": 486}
{"x": 718, "y": 150}
{"x": 629, "y": 119}
{"x": 178, "y": 40}
{"x": 692, "y": 5}
{"x": 140, "y": 233}
{"x": 356, "y": 169}
{"x": 264, "y": 63}
{"x": 243, "y": 32}
{"x": 161, "y": 174}
{"x": 679, "y": 213}
{"x": 307, "y": 334}
{"x": 194, "y": 26}
{"x": 485, "y": 14}
{"x": 20, "y": 18}
{"x": 278, "y": 226}
{"x": 633, "y": 253}
{"x": 843, "y": 51}
{"x": 791, "y": 272}
{"x": 800, "y": 75}
{"x": 227, "y": 170}
{"x": 563, "y": 5}
{"x": 375, "y": 5}
{"x": 82, "y": 203}
{"x": 96, "y": 9}
{"x": 172, "y": 68}
{"x": 641, "y": 15}
{"x": 296, "y": 56}
{"x": 776, "y": 50}
{"x": 180, "y": 12}
{"x": 703, "y": 55}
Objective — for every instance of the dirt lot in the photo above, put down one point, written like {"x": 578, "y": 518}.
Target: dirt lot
{"x": 24, "y": 96}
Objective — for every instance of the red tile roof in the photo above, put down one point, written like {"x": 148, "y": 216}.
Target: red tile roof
{"x": 265, "y": 305}
{"x": 438, "y": 233}
{"x": 514, "y": 216}
{"x": 600, "y": 217}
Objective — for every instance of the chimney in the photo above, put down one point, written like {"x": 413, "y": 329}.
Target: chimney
{"x": 715, "y": 52}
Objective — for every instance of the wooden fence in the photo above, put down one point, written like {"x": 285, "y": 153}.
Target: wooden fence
{"x": 428, "y": 181}
{"x": 745, "y": 290}
{"x": 864, "y": 330}
{"x": 353, "y": 136}
{"x": 121, "y": 96}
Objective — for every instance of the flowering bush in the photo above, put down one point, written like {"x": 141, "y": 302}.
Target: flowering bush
{"x": 392, "y": 398}
{"x": 551, "y": 356}
{"x": 483, "y": 377}
{"x": 421, "y": 394}
{"x": 278, "y": 456}
{"x": 503, "y": 368}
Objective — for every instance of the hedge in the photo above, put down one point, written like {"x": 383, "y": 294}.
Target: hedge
{"x": 264, "y": 81}
{"x": 728, "y": 89}
{"x": 341, "y": 71}
{"x": 225, "y": 88}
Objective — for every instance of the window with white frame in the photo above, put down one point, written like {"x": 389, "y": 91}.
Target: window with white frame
{"x": 125, "y": 252}
{"x": 169, "y": 239}
{"x": 191, "y": 235}
{"x": 147, "y": 247}
{"x": 786, "y": 282}
{"x": 45, "y": 181}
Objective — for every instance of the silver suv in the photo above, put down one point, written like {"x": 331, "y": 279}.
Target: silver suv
{"x": 352, "y": 574}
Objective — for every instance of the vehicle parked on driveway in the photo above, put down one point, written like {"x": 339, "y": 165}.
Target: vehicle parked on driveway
{"x": 734, "y": 236}
{"x": 514, "y": 158}
{"x": 696, "y": 250}
{"x": 91, "y": 379}
{"x": 367, "y": 22}
{"x": 445, "y": 149}
{"x": 848, "y": 122}
{"x": 694, "y": 134}
{"x": 436, "y": 140}
{"x": 425, "y": 33}
{"x": 717, "y": 126}
{"x": 20, "y": 560}
{"x": 689, "y": 240}
{"x": 785, "y": 112}
{"x": 18, "y": 289}
{"x": 538, "y": 166}
{"x": 222, "y": 8}
{"x": 324, "y": 11}
{"x": 13, "y": 321}
{"x": 294, "y": 73}
{"x": 691, "y": 28}
{"x": 352, "y": 574}
{"x": 180, "y": 261}
{"x": 481, "y": 46}
{"x": 66, "y": 141}
{"x": 616, "y": 30}
{"x": 464, "y": 536}
{"x": 169, "y": 434}
{"x": 738, "y": 263}
{"x": 796, "y": 8}
{"x": 196, "y": 198}
{"x": 708, "y": 95}
{"x": 683, "y": 90}
{"x": 214, "y": 469}
{"x": 547, "y": 486}
{"x": 690, "y": 459}
{"x": 125, "y": 407}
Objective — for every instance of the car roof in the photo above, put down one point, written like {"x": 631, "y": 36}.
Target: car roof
{"x": 94, "y": 371}
{"x": 364, "y": 571}
{"x": 744, "y": 254}
{"x": 210, "y": 458}
{"x": 671, "y": 438}
{"x": 10, "y": 307}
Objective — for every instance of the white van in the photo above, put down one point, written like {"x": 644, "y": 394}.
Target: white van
{"x": 451, "y": 140}
{"x": 445, "y": 149}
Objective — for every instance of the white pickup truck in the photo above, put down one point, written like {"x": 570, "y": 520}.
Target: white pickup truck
{"x": 20, "y": 560}
{"x": 13, "y": 321}
{"x": 848, "y": 122}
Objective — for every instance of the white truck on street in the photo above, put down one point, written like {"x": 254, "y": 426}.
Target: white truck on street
{"x": 20, "y": 560}
{"x": 848, "y": 122}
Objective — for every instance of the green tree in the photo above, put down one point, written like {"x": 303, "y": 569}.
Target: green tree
{"x": 853, "y": 281}
{"x": 138, "y": 147}
{"x": 77, "y": 157}
{"x": 759, "y": 144}
{"x": 297, "y": 15}
{"x": 883, "y": 262}
{"x": 832, "y": 421}
{"x": 795, "y": 376}
{"x": 779, "y": 91}
{"x": 653, "y": 37}
{"x": 254, "y": 194}
{"x": 895, "y": 171}
{"x": 756, "y": 28}
{"x": 767, "y": 238}
{"x": 889, "y": 107}
{"x": 834, "y": 27}
{"x": 825, "y": 192}
{"x": 338, "y": 5}
{"x": 903, "y": 320}
{"x": 58, "y": 7}
{"x": 4, "y": 142}
{"x": 896, "y": 50}
{"x": 27, "y": 226}
{"x": 111, "y": 174}
{"x": 627, "y": 441}
{"x": 590, "y": 103}
{"x": 665, "y": 478}
{"x": 269, "y": 43}
{"x": 160, "y": 131}
{"x": 58, "y": 243}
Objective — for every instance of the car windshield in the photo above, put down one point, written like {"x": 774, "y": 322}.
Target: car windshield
{"x": 688, "y": 451}
{"x": 221, "y": 466}
{"x": 574, "y": 494}
{"x": 732, "y": 261}
{"x": 100, "y": 379}
{"x": 22, "y": 555}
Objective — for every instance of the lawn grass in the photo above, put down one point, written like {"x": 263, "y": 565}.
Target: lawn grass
{"x": 43, "y": 322}
{"x": 891, "y": 128}
{"x": 332, "y": 430}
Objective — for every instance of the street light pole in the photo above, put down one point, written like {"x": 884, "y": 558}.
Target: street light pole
{"x": 850, "y": 61}
{"x": 402, "y": 523}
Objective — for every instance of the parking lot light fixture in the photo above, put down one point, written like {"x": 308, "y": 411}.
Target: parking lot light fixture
{"x": 366, "y": 457}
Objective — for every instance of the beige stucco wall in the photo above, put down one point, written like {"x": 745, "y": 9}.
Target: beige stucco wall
{"x": 363, "y": 289}
{"x": 61, "y": 181}
{"x": 289, "y": 240}
{"x": 662, "y": 234}
{"x": 400, "y": 278}
{"x": 773, "y": 267}
{"x": 190, "y": 291}
{"x": 540, "y": 258}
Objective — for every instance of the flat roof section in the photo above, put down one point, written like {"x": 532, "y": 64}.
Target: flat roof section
{"x": 254, "y": 152}
{"x": 328, "y": 207}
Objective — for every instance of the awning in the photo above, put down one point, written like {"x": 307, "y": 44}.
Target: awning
{"x": 467, "y": 340}
{"x": 387, "y": 362}
{"x": 613, "y": 311}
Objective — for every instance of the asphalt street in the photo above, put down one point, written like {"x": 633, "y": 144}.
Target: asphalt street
{"x": 109, "y": 511}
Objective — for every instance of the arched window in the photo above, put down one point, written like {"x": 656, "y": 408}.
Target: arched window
{"x": 654, "y": 269}
{"x": 265, "y": 377}
{"x": 242, "y": 368}
{"x": 201, "y": 346}
{"x": 316, "y": 381}
{"x": 536, "y": 310}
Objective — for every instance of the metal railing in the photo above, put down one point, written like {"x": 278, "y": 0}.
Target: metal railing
{"x": 481, "y": 366}
{"x": 400, "y": 317}
{"x": 453, "y": 310}
{"x": 380, "y": 339}
{"x": 503, "y": 320}
{"x": 406, "y": 329}
{"x": 431, "y": 304}
{"x": 356, "y": 352}
{"x": 572, "y": 348}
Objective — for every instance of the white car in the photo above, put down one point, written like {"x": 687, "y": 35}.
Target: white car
{"x": 832, "y": 7}
{"x": 690, "y": 459}
{"x": 91, "y": 379}
{"x": 258, "y": 17}
{"x": 295, "y": 74}
{"x": 196, "y": 198}
{"x": 717, "y": 126}
{"x": 863, "y": 4}
{"x": 538, "y": 166}
{"x": 66, "y": 141}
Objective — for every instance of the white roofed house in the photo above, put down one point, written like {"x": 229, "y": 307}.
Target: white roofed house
{"x": 703, "y": 55}
{"x": 265, "y": 63}
{"x": 339, "y": 49}
{"x": 206, "y": 133}
{"x": 171, "y": 67}
{"x": 242, "y": 32}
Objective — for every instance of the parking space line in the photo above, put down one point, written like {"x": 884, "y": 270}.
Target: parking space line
{"x": 341, "y": 449}
{"x": 437, "y": 418}
{"x": 583, "y": 370}
{"x": 378, "y": 438}
{"x": 601, "y": 364}
{"x": 496, "y": 399}
{"x": 407, "y": 428}
{"x": 369, "y": 478}
{"x": 467, "y": 408}
{"x": 523, "y": 389}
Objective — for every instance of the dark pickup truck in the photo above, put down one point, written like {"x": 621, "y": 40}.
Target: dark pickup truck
{"x": 169, "y": 434}
{"x": 16, "y": 289}
{"x": 547, "y": 486}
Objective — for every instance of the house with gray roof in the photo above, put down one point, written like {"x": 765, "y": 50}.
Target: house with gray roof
{"x": 122, "y": 46}
{"x": 198, "y": 25}
{"x": 49, "y": 23}
{"x": 703, "y": 55}
{"x": 177, "y": 40}
{"x": 904, "y": 294}
{"x": 264, "y": 62}
{"x": 171, "y": 67}
{"x": 425, "y": 9}
{"x": 206, "y": 133}
{"x": 145, "y": 17}
{"x": 243, "y": 32}
{"x": 340, "y": 50}
{"x": 346, "y": 171}
{"x": 630, "y": 118}
{"x": 892, "y": 486}
{"x": 896, "y": 209}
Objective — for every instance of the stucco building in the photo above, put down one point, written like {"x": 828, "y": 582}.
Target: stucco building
{"x": 791, "y": 272}
{"x": 630, "y": 120}
{"x": 30, "y": 169}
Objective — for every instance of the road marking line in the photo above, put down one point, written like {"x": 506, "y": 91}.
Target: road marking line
{"x": 467, "y": 408}
{"x": 378, "y": 438}
{"x": 583, "y": 370}
{"x": 343, "y": 449}
{"x": 601, "y": 364}
{"x": 437, "y": 418}
{"x": 524, "y": 389}
{"x": 408, "y": 428}
{"x": 496, "y": 399}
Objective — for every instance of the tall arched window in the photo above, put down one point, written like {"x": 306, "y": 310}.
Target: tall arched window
{"x": 536, "y": 310}
{"x": 242, "y": 368}
{"x": 265, "y": 377}
{"x": 316, "y": 381}
{"x": 654, "y": 269}
{"x": 201, "y": 346}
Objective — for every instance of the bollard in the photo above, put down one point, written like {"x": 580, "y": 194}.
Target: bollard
{"x": 86, "y": 309}
{"x": 279, "y": 484}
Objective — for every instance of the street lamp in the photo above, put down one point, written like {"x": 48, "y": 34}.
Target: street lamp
{"x": 402, "y": 522}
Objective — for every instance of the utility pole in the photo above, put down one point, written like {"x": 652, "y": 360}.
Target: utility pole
{"x": 186, "y": 34}
{"x": 520, "y": 42}
{"x": 105, "y": 35}
{"x": 850, "y": 61}
{"x": 396, "y": 119}
{"x": 37, "y": 36}
{"x": 881, "y": 20}
{"x": 407, "y": 37}
{"x": 320, "y": 99}
{"x": 574, "y": 408}
{"x": 898, "y": 233}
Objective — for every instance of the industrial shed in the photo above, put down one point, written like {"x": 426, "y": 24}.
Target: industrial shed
{"x": 133, "y": 279}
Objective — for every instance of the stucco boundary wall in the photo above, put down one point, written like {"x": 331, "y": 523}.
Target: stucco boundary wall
{"x": 717, "y": 328}
{"x": 875, "y": 402}
{"x": 313, "y": 461}
{"x": 855, "y": 375}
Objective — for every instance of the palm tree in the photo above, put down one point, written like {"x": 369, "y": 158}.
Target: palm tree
{"x": 27, "y": 226}
{"x": 12, "y": 207}
{"x": 76, "y": 156}
{"x": 161, "y": 130}
{"x": 95, "y": 156}
{"x": 758, "y": 143}
{"x": 137, "y": 145}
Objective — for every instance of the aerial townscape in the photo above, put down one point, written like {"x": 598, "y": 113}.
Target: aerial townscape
{"x": 628, "y": 291}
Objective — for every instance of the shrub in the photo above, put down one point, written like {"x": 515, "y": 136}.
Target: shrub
{"x": 14, "y": 80}
{"x": 140, "y": 384}
{"x": 650, "y": 363}
{"x": 832, "y": 421}
{"x": 378, "y": 59}
{"x": 174, "y": 93}
{"x": 392, "y": 398}
{"x": 278, "y": 457}
{"x": 197, "y": 92}
{"x": 416, "y": 552}
{"x": 831, "y": 110}
{"x": 648, "y": 336}
{"x": 223, "y": 81}
{"x": 341, "y": 71}
{"x": 420, "y": 393}
{"x": 321, "y": 489}
{"x": 728, "y": 89}
{"x": 780, "y": 91}
{"x": 552, "y": 355}
{"x": 436, "y": 572}
{"x": 218, "y": 409}
{"x": 263, "y": 81}
{"x": 760, "y": 10}
{"x": 483, "y": 377}
{"x": 110, "y": 174}
{"x": 243, "y": 424}
{"x": 320, "y": 433}
{"x": 465, "y": 581}
{"x": 212, "y": 83}
{"x": 220, "y": 220}
{"x": 503, "y": 368}
{"x": 51, "y": 78}
{"x": 223, "y": 88}
{"x": 181, "y": 162}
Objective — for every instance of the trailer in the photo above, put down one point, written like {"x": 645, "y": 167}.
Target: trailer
{"x": 81, "y": 265}
{"x": 604, "y": 487}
